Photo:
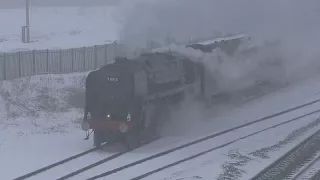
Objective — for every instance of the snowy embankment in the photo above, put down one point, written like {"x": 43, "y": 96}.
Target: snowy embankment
{"x": 58, "y": 27}
{"x": 43, "y": 104}
{"x": 40, "y": 118}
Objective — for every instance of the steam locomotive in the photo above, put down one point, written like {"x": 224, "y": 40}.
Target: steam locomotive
{"x": 129, "y": 100}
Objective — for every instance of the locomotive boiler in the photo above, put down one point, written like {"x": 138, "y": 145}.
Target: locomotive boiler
{"x": 128, "y": 101}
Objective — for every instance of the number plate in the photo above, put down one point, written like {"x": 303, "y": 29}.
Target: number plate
{"x": 113, "y": 79}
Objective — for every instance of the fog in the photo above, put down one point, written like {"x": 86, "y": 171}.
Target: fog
{"x": 21, "y": 3}
{"x": 290, "y": 20}
{"x": 294, "y": 24}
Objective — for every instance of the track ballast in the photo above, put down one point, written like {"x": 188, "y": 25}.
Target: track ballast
{"x": 292, "y": 161}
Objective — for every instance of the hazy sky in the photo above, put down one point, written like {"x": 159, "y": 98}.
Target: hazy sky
{"x": 21, "y": 3}
{"x": 295, "y": 23}
{"x": 183, "y": 19}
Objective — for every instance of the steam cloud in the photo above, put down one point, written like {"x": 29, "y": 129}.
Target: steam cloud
{"x": 294, "y": 24}
{"x": 289, "y": 20}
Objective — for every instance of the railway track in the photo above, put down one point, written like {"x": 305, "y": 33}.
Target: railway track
{"x": 311, "y": 170}
{"x": 53, "y": 170}
{"x": 207, "y": 150}
{"x": 196, "y": 149}
{"x": 295, "y": 163}
{"x": 304, "y": 110}
{"x": 46, "y": 168}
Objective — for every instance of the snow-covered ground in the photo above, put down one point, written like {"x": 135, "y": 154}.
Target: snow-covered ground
{"x": 203, "y": 146}
{"x": 38, "y": 115}
{"x": 58, "y": 27}
{"x": 151, "y": 150}
{"x": 41, "y": 115}
{"x": 243, "y": 159}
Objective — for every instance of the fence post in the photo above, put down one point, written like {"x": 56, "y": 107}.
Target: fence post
{"x": 95, "y": 56}
{"x": 115, "y": 51}
{"x": 19, "y": 64}
{"x": 4, "y": 67}
{"x": 34, "y": 62}
{"x": 72, "y": 57}
{"x": 105, "y": 54}
{"x": 47, "y": 52}
{"x": 84, "y": 58}
{"x": 61, "y": 65}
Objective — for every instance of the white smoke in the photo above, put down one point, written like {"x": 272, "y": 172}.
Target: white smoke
{"x": 287, "y": 30}
{"x": 185, "y": 19}
{"x": 295, "y": 24}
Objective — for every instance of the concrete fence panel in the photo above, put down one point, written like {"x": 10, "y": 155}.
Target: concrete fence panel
{"x": 54, "y": 61}
{"x": 79, "y": 59}
{"x": 66, "y": 60}
{"x": 19, "y": 64}
{"x": 100, "y": 55}
{"x": 27, "y": 63}
{"x": 12, "y": 65}
{"x": 111, "y": 52}
{"x": 2, "y": 67}
{"x": 90, "y": 62}
{"x": 41, "y": 61}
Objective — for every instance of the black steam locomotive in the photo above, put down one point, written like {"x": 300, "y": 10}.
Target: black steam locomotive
{"x": 128, "y": 101}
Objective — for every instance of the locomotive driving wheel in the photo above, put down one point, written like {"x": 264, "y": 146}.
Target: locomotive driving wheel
{"x": 162, "y": 117}
{"x": 97, "y": 138}
{"x": 133, "y": 140}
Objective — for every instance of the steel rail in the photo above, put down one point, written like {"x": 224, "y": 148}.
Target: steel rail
{"x": 209, "y": 137}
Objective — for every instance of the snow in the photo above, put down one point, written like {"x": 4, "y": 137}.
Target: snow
{"x": 53, "y": 136}
{"x": 33, "y": 124}
{"x": 309, "y": 169}
{"x": 216, "y": 165}
{"x": 192, "y": 150}
{"x": 207, "y": 42}
{"x": 40, "y": 116}
{"x": 41, "y": 104}
{"x": 193, "y": 120}
{"x": 73, "y": 165}
{"x": 221, "y": 39}
{"x": 58, "y": 27}
{"x": 21, "y": 156}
